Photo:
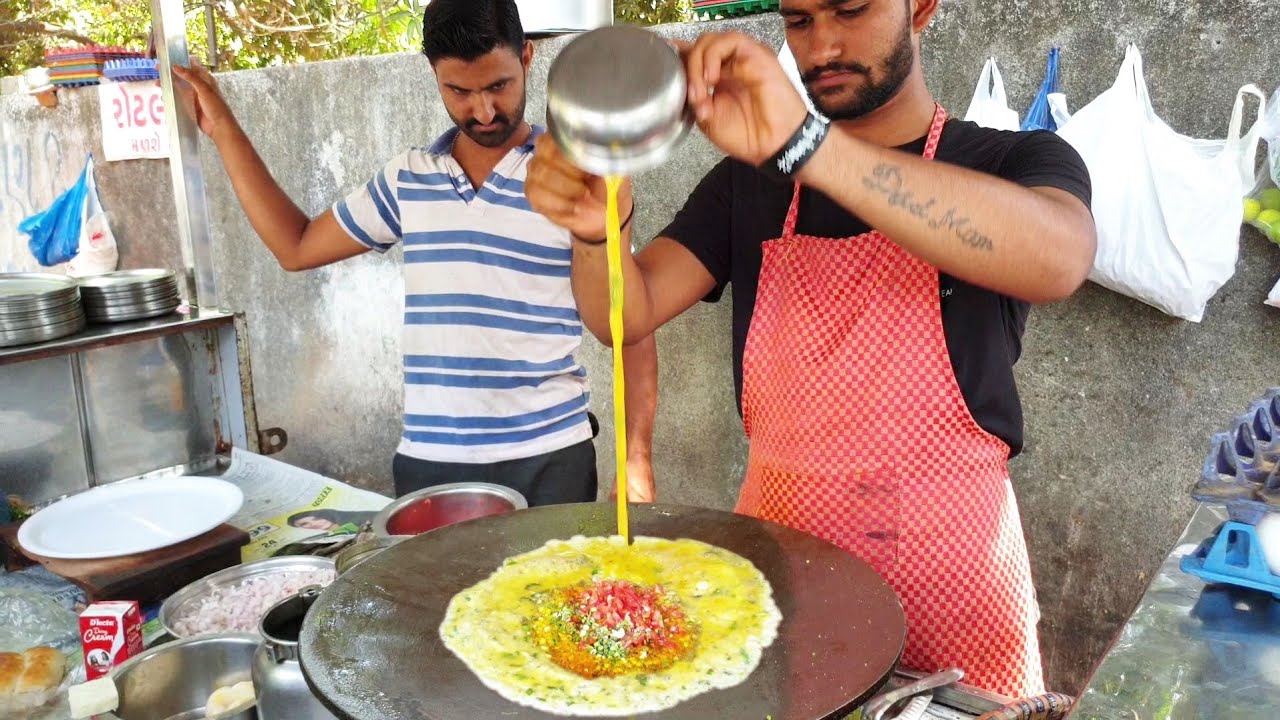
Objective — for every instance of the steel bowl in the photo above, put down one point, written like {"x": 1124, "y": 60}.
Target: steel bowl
{"x": 617, "y": 100}
{"x": 173, "y": 605}
{"x": 175, "y": 680}
{"x": 435, "y": 507}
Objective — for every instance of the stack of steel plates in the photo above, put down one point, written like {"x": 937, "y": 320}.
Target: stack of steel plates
{"x": 36, "y": 307}
{"x": 129, "y": 295}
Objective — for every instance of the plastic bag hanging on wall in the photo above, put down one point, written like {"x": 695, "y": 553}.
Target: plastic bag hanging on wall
{"x": 1041, "y": 115}
{"x": 73, "y": 222}
{"x": 97, "y": 251}
{"x": 1167, "y": 207}
{"x": 1262, "y": 207}
{"x": 55, "y": 232}
{"x": 990, "y": 105}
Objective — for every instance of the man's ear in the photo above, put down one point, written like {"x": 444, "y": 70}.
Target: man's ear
{"x": 526, "y": 55}
{"x": 922, "y": 12}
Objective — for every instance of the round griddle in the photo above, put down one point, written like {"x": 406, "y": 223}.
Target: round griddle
{"x": 371, "y": 647}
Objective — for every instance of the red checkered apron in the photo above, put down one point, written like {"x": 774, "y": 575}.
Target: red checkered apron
{"x": 859, "y": 434}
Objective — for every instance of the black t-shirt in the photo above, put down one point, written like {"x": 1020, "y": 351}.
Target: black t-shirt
{"x": 736, "y": 208}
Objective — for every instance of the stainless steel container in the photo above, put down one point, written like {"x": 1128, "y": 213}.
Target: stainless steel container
{"x": 232, "y": 576}
{"x": 283, "y": 693}
{"x": 617, "y": 100}
{"x": 553, "y": 17}
{"x": 442, "y": 505}
{"x": 175, "y": 680}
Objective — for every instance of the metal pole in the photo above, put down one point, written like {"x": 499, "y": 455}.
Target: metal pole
{"x": 211, "y": 32}
{"x": 187, "y": 174}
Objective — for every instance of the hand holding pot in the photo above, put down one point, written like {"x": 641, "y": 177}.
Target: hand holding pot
{"x": 741, "y": 98}
{"x": 567, "y": 195}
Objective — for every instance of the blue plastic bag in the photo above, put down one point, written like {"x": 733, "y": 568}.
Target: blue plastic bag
{"x": 1040, "y": 117}
{"x": 55, "y": 233}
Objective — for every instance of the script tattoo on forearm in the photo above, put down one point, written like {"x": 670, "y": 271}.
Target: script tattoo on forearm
{"x": 886, "y": 180}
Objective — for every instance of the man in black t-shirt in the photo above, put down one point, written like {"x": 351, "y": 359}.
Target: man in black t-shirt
{"x": 883, "y": 269}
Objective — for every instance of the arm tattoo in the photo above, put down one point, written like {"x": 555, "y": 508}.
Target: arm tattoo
{"x": 886, "y": 180}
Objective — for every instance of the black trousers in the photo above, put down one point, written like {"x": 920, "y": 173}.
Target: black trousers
{"x": 563, "y": 476}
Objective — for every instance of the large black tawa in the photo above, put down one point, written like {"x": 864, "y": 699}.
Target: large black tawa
{"x": 371, "y": 647}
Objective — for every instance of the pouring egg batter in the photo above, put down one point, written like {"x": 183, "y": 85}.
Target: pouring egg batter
{"x": 594, "y": 626}
{"x": 598, "y": 626}
{"x": 613, "y": 249}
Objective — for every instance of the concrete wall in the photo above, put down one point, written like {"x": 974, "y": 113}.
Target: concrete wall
{"x": 42, "y": 153}
{"x": 1120, "y": 399}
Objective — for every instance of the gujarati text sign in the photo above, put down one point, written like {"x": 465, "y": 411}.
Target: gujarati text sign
{"x": 133, "y": 123}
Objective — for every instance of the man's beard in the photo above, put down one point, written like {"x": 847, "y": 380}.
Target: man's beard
{"x": 895, "y": 71}
{"x": 507, "y": 126}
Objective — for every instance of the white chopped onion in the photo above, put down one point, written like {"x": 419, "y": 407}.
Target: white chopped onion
{"x": 241, "y": 607}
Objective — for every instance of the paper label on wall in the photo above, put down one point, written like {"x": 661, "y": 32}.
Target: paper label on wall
{"x": 133, "y": 121}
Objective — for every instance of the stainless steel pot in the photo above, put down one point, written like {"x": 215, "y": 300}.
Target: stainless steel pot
{"x": 442, "y": 505}
{"x": 283, "y": 693}
{"x": 176, "y": 679}
{"x": 617, "y": 100}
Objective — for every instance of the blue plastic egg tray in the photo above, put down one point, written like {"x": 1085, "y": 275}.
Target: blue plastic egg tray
{"x": 1233, "y": 556}
{"x": 131, "y": 70}
{"x": 1242, "y": 469}
{"x": 1242, "y": 472}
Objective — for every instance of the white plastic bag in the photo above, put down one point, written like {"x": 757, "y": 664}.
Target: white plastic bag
{"x": 1262, "y": 210}
{"x": 990, "y": 106}
{"x": 792, "y": 71}
{"x": 98, "y": 251}
{"x": 1167, "y": 207}
{"x": 1058, "y": 108}
{"x": 1270, "y": 132}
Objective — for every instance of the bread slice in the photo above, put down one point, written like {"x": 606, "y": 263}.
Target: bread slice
{"x": 44, "y": 669}
{"x": 11, "y": 666}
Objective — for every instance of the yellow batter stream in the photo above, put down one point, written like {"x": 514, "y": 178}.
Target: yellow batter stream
{"x": 613, "y": 247}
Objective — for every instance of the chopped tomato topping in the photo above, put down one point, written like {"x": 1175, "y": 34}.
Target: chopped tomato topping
{"x": 608, "y": 628}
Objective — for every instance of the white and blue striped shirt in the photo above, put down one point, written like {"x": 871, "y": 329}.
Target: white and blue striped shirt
{"x": 490, "y": 324}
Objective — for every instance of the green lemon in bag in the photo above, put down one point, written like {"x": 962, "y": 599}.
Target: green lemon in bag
{"x": 1270, "y": 198}
{"x": 1251, "y": 209}
{"x": 1268, "y": 222}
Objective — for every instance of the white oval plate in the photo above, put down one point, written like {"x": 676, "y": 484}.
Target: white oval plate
{"x": 130, "y": 517}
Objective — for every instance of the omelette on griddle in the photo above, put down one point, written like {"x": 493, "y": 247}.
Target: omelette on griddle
{"x": 592, "y": 626}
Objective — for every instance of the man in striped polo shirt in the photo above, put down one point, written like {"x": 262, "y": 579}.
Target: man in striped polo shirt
{"x": 493, "y": 391}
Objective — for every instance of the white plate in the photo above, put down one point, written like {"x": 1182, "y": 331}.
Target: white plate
{"x": 130, "y": 517}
